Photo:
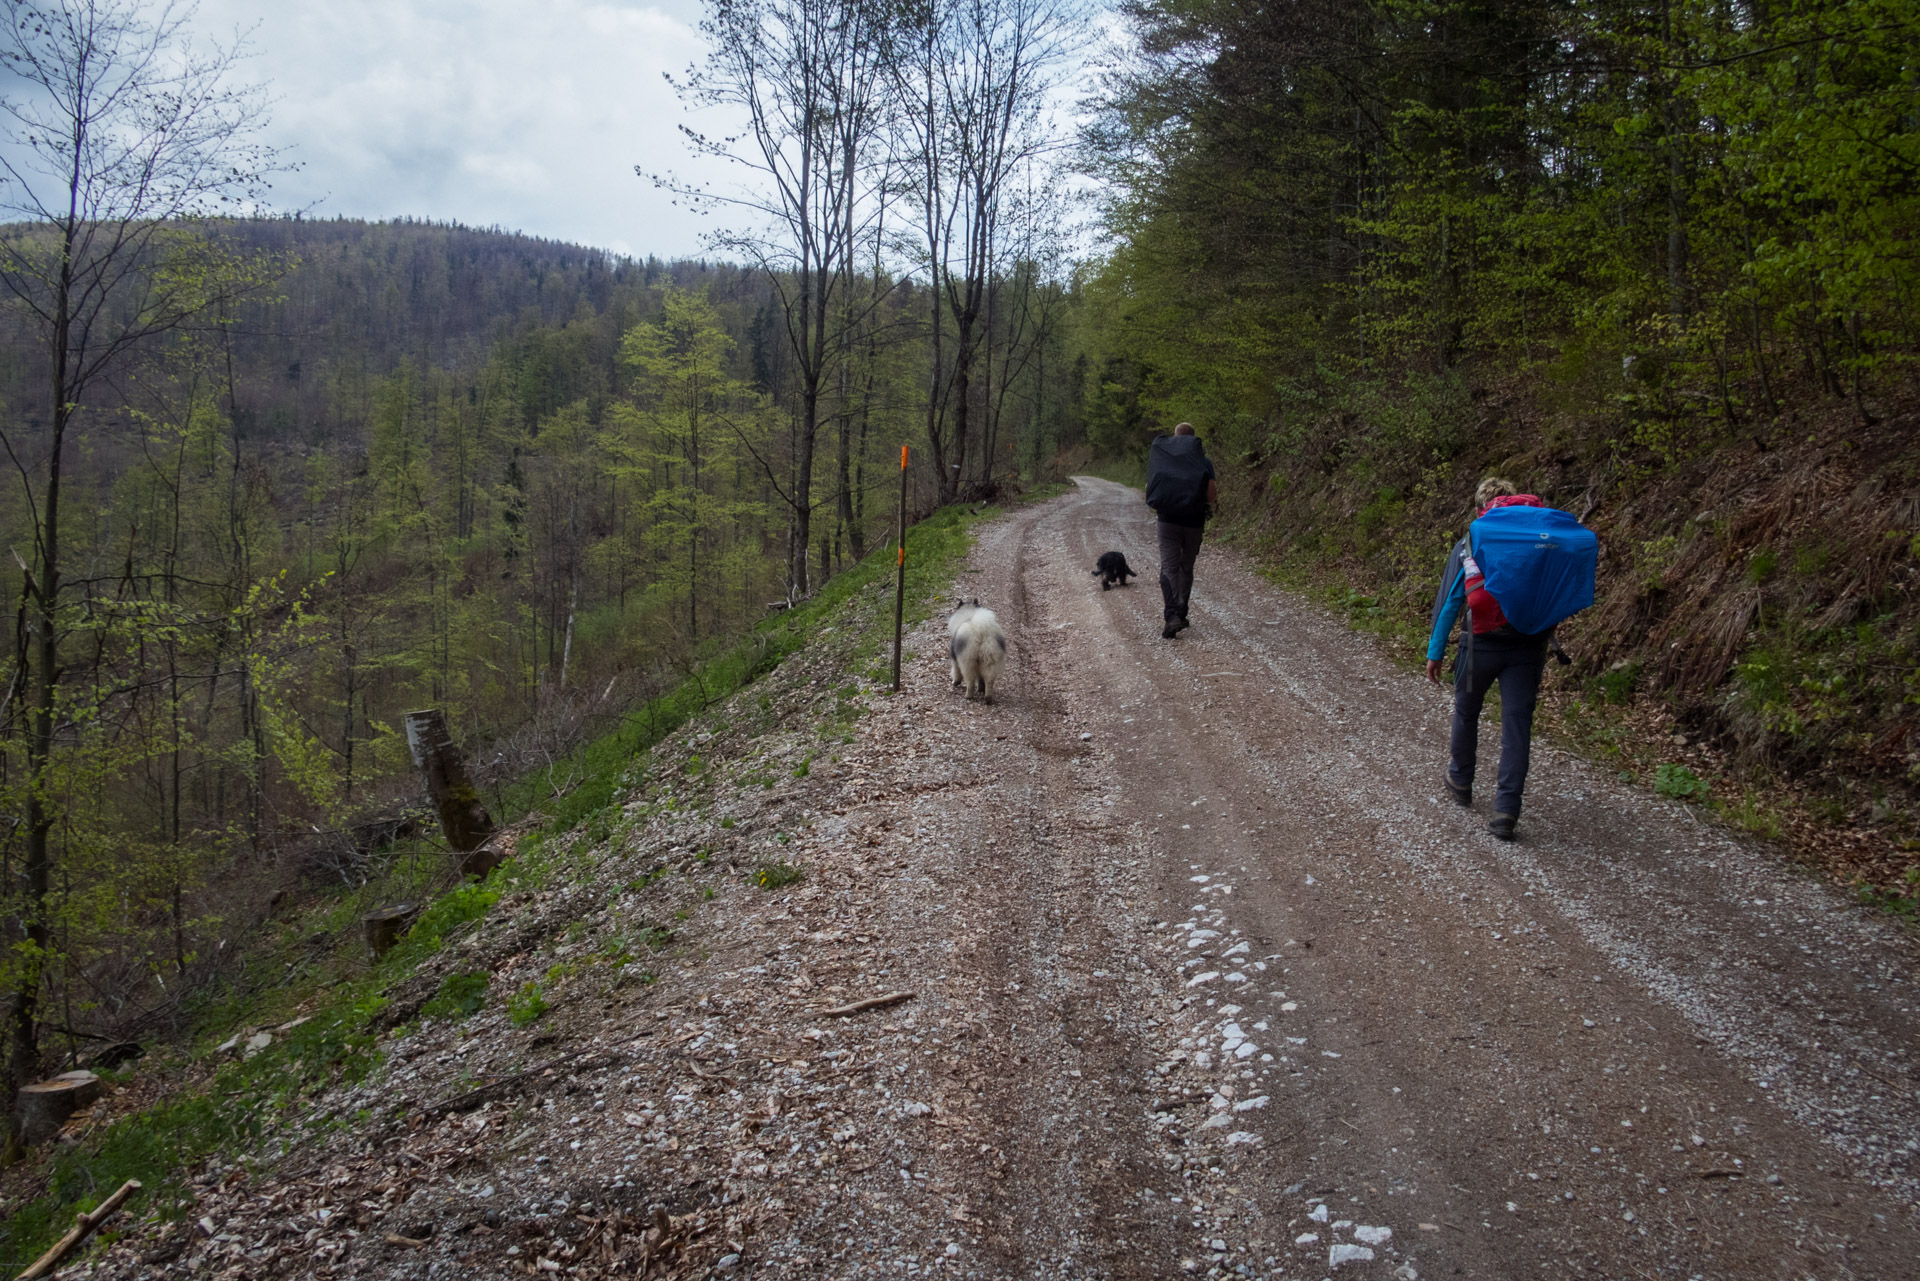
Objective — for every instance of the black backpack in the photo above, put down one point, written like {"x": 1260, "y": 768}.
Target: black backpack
{"x": 1177, "y": 476}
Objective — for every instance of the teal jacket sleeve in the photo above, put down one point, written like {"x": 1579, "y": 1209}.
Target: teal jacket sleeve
{"x": 1444, "y": 618}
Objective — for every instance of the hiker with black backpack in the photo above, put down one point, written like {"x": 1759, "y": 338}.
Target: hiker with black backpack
{"x": 1182, "y": 491}
{"x": 1521, "y": 570}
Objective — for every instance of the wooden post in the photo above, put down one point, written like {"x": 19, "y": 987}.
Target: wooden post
{"x": 900, "y": 572}
{"x": 462, "y": 816}
{"x": 83, "y": 1226}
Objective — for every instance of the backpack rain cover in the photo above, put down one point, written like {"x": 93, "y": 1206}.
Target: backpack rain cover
{"x": 1539, "y": 563}
{"x": 1177, "y": 476}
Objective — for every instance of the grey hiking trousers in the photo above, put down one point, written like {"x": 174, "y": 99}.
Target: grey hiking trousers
{"x": 1516, "y": 666}
{"x": 1179, "y": 548}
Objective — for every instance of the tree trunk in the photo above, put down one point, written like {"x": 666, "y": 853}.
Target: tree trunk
{"x": 44, "y": 647}
{"x": 943, "y": 473}
{"x": 844, "y": 404}
{"x": 962, "y": 393}
{"x": 1676, "y": 196}
{"x": 566, "y": 647}
{"x": 463, "y": 818}
{"x": 803, "y": 487}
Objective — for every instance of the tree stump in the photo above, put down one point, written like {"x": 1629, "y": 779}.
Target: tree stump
{"x": 462, "y": 816}
{"x": 385, "y": 927}
{"x": 45, "y": 1106}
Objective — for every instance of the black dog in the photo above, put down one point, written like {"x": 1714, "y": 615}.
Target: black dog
{"x": 1112, "y": 568}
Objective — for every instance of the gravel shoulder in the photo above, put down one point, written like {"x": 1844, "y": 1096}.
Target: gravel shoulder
{"x": 1205, "y": 978}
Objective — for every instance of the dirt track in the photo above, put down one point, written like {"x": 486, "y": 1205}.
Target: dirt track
{"x": 1625, "y": 1045}
{"x": 1207, "y": 979}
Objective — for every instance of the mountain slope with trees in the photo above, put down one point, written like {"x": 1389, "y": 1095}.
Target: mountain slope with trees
{"x": 1653, "y": 261}
{"x": 277, "y": 482}
{"x": 410, "y": 465}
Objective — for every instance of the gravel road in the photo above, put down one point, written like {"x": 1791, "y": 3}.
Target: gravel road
{"x": 1196, "y": 974}
{"x": 1262, "y": 1002}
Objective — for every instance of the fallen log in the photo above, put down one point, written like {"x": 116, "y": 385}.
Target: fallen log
{"x": 83, "y": 1226}
{"x": 871, "y": 1003}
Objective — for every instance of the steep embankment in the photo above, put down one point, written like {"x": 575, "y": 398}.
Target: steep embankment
{"x": 192, "y": 1116}
{"x": 1756, "y": 641}
{"x": 1172, "y": 960}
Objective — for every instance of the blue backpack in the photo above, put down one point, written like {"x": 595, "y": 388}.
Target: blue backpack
{"x": 1539, "y": 564}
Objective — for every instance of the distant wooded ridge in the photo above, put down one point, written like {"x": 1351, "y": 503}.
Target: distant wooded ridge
{"x": 423, "y": 464}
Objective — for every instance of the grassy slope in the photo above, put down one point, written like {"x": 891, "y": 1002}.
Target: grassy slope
{"x": 1756, "y": 642}
{"x": 184, "y": 1108}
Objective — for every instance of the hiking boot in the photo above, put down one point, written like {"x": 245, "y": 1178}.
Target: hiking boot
{"x": 1180, "y": 624}
{"x": 1171, "y": 630}
{"x": 1461, "y": 795}
{"x": 1502, "y": 825}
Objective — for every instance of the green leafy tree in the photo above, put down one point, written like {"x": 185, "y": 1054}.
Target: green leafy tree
{"x": 121, "y": 139}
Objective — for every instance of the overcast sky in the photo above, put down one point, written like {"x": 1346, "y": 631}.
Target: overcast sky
{"x": 526, "y": 113}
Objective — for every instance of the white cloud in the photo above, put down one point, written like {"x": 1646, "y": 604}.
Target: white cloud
{"x": 531, "y": 116}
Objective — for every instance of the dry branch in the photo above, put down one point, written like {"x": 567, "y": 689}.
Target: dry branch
{"x": 83, "y": 1226}
{"x": 505, "y": 1085}
{"x": 871, "y": 1003}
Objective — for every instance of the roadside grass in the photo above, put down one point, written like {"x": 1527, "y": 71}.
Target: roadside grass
{"x": 1121, "y": 471}
{"x": 1904, "y": 906}
{"x": 774, "y": 876}
{"x": 233, "y": 1108}
{"x": 1050, "y": 490}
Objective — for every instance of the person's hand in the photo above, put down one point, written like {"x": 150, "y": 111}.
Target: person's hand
{"x": 1433, "y": 670}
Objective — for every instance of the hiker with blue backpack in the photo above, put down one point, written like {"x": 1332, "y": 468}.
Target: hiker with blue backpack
{"x": 1182, "y": 491}
{"x": 1522, "y": 569}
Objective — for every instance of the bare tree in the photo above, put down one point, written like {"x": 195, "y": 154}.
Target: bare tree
{"x": 808, "y": 78}
{"x": 975, "y": 78}
{"x": 120, "y": 137}
{"x": 1026, "y": 306}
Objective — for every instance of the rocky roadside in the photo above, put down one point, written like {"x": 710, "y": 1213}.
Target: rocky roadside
{"x": 704, "y": 1094}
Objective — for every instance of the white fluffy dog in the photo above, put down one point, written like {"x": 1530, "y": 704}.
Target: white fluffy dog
{"x": 976, "y": 646}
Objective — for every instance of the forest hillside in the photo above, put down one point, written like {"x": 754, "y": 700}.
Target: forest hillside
{"x": 1655, "y": 264}
{"x": 404, "y": 465}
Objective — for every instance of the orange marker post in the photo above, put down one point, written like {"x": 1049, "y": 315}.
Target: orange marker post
{"x": 900, "y": 572}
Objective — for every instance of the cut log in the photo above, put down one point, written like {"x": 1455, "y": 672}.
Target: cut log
{"x": 45, "y": 1106}
{"x": 463, "y": 817}
{"x": 83, "y": 1226}
{"x": 385, "y": 927}
{"x": 496, "y": 850}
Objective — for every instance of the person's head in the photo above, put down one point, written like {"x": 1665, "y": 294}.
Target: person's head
{"x": 1491, "y": 488}
{"x": 1186, "y": 429}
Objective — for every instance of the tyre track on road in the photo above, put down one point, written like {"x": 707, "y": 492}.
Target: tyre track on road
{"x": 1553, "y": 1051}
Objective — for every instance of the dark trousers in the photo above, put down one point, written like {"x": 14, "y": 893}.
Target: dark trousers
{"x": 1179, "y": 548}
{"x": 1517, "y": 666}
